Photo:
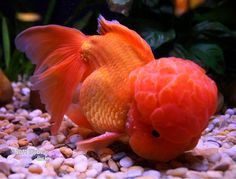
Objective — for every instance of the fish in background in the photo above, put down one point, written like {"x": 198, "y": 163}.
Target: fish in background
{"x": 111, "y": 84}
{"x": 182, "y": 6}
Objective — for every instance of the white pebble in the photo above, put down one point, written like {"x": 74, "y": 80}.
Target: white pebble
{"x": 232, "y": 134}
{"x": 178, "y": 172}
{"x": 25, "y": 91}
{"x": 215, "y": 121}
{"x": 17, "y": 176}
{"x": 215, "y": 174}
{"x": 39, "y": 120}
{"x": 214, "y": 158}
{"x": 46, "y": 145}
{"x": 231, "y": 152}
{"x": 134, "y": 171}
{"x": 57, "y": 162}
{"x": 3, "y": 110}
{"x": 35, "y": 113}
{"x": 91, "y": 172}
{"x": 126, "y": 162}
{"x": 69, "y": 161}
{"x": 81, "y": 163}
{"x": 229, "y": 111}
{"x": 152, "y": 173}
{"x": 75, "y": 138}
{"x": 97, "y": 166}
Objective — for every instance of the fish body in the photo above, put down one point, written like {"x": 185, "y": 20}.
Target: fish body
{"x": 112, "y": 84}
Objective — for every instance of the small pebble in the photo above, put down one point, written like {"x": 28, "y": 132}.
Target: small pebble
{"x": 66, "y": 169}
{"x": 152, "y": 173}
{"x": 231, "y": 151}
{"x": 69, "y": 161}
{"x": 113, "y": 166}
{"x": 57, "y": 162}
{"x": 25, "y": 91}
{"x": 91, "y": 173}
{"x": 3, "y": 176}
{"x": 178, "y": 172}
{"x": 214, "y": 157}
{"x": 229, "y": 111}
{"x": 17, "y": 176}
{"x": 35, "y": 113}
{"x": 222, "y": 166}
{"x": 35, "y": 169}
{"x": 67, "y": 152}
{"x": 4, "y": 168}
{"x": 215, "y": 174}
{"x": 134, "y": 171}
{"x": 81, "y": 163}
{"x": 61, "y": 138}
{"x": 126, "y": 162}
{"x": 75, "y": 138}
{"x": 23, "y": 142}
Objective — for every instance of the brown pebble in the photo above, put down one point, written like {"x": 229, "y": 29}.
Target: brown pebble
{"x": 23, "y": 142}
{"x": 4, "y": 168}
{"x": 2, "y": 134}
{"x": 67, "y": 152}
{"x": 22, "y": 129}
{"x": 222, "y": 166}
{"x": 10, "y": 129}
{"x": 44, "y": 136}
{"x": 66, "y": 169}
{"x": 35, "y": 169}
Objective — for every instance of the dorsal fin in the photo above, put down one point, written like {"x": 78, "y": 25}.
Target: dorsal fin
{"x": 133, "y": 38}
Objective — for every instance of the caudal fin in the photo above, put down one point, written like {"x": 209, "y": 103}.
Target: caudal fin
{"x": 59, "y": 66}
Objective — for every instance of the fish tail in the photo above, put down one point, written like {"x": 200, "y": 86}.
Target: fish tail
{"x": 60, "y": 67}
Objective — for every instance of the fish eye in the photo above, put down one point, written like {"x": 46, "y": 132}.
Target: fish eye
{"x": 155, "y": 133}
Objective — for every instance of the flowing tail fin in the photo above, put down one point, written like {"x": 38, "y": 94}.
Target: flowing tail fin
{"x": 59, "y": 65}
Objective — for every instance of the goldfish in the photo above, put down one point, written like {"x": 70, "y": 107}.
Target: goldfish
{"x": 112, "y": 84}
{"x": 182, "y": 6}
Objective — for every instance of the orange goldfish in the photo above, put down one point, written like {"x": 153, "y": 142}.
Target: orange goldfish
{"x": 182, "y": 6}
{"x": 112, "y": 84}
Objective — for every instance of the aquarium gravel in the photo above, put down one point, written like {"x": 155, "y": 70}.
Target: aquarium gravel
{"x": 28, "y": 150}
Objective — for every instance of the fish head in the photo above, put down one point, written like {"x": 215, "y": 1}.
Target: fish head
{"x": 173, "y": 101}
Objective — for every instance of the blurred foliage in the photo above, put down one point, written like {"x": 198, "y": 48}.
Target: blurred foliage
{"x": 205, "y": 34}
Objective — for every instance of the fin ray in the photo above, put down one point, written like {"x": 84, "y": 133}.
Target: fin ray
{"x": 59, "y": 66}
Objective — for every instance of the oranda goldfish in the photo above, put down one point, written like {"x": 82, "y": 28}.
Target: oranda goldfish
{"x": 112, "y": 84}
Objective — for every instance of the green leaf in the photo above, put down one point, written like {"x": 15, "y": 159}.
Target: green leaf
{"x": 150, "y": 3}
{"x": 211, "y": 55}
{"x": 181, "y": 52}
{"x": 155, "y": 38}
{"x": 81, "y": 23}
{"x": 6, "y": 43}
{"x": 214, "y": 29}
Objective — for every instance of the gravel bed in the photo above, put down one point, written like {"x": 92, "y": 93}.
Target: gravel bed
{"x": 28, "y": 150}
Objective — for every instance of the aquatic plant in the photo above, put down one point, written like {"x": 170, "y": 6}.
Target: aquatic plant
{"x": 204, "y": 34}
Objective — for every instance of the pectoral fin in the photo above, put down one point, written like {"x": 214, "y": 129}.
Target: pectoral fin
{"x": 100, "y": 141}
